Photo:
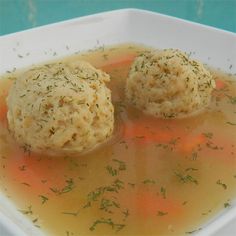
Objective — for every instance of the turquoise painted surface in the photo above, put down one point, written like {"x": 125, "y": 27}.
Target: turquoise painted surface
{"x": 16, "y": 15}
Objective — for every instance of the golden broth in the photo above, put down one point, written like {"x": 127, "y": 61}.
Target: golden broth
{"x": 155, "y": 177}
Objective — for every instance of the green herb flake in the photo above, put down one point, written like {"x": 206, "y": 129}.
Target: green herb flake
{"x": 68, "y": 233}
{"x": 230, "y": 123}
{"x": 111, "y": 171}
{"x": 208, "y": 135}
{"x": 193, "y": 231}
{"x": 133, "y": 185}
{"x": 163, "y": 192}
{"x": 93, "y": 196}
{"x": 114, "y": 226}
{"x": 126, "y": 213}
{"x": 106, "y": 205}
{"x": 191, "y": 169}
{"x": 43, "y": 199}
{"x": 120, "y": 166}
{"x": 186, "y": 178}
{"x": 226, "y": 205}
{"x": 22, "y": 168}
{"x": 149, "y": 181}
{"x": 70, "y": 213}
{"x": 28, "y": 211}
{"x": 194, "y": 156}
{"x": 26, "y": 184}
{"x": 68, "y": 187}
{"x": 161, "y": 213}
{"x": 105, "y": 56}
{"x": 232, "y": 100}
{"x": 221, "y": 184}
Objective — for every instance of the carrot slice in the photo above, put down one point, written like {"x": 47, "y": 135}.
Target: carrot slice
{"x": 154, "y": 133}
{"x": 190, "y": 142}
{"x": 34, "y": 172}
{"x": 149, "y": 204}
{"x": 118, "y": 62}
{"x": 145, "y": 134}
{"x": 3, "y": 110}
{"x": 219, "y": 84}
{"x": 5, "y": 86}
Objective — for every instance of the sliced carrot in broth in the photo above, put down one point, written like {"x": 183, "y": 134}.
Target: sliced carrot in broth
{"x": 118, "y": 62}
{"x": 3, "y": 110}
{"x": 189, "y": 143}
{"x": 154, "y": 132}
{"x": 146, "y": 134}
{"x": 41, "y": 174}
{"x": 220, "y": 84}
{"x": 149, "y": 204}
{"x": 3, "y": 94}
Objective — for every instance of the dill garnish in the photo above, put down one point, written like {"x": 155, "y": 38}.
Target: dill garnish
{"x": 161, "y": 213}
{"x": 67, "y": 188}
{"x": 28, "y": 211}
{"x": 70, "y": 213}
{"x": 208, "y": 135}
{"x": 226, "y": 205}
{"x": 43, "y": 199}
{"x": 149, "y": 181}
{"x": 230, "y": 123}
{"x": 193, "y": 231}
{"x": 125, "y": 213}
{"x": 221, "y": 184}
{"x": 114, "y": 226}
{"x": 106, "y": 205}
{"x": 186, "y": 178}
{"x": 163, "y": 192}
{"x": 113, "y": 171}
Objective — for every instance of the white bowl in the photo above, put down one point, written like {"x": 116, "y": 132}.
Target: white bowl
{"x": 215, "y": 47}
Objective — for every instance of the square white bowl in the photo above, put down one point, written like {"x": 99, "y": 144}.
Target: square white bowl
{"x": 215, "y": 47}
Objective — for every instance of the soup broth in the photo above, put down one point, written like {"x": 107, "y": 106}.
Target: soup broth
{"x": 154, "y": 177}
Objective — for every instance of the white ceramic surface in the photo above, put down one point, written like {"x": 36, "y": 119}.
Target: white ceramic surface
{"x": 212, "y": 46}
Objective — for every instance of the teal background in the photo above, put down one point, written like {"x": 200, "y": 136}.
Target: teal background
{"x": 16, "y": 15}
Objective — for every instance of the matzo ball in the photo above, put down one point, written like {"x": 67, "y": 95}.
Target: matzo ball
{"x": 61, "y": 108}
{"x": 167, "y": 84}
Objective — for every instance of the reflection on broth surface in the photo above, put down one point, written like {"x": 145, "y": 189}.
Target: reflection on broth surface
{"x": 154, "y": 177}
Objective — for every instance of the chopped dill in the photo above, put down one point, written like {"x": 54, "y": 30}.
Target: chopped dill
{"x": 230, "y": 123}
{"x": 26, "y": 184}
{"x": 67, "y": 188}
{"x": 71, "y": 213}
{"x": 161, "y": 213}
{"x": 114, "y": 226}
{"x": 191, "y": 169}
{"x": 43, "y": 199}
{"x": 28, "y": 211}
{"x": 186, "y": 178}
{"x": 126, "y": 213}
{"x": 111, "y": 171}
{"x": 107, "y": 204}
{"x": 208, "y": 135}
{"x": 219, "y": 182}
{"x": 163, "y": 192}
{"x": 120, "y": 166}
{"x": 193, "y": 231}
{"x": 226, "y": 205}
{"x": 149, "y": 181}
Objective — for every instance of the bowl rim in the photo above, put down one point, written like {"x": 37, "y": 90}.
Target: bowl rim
{"x": 217, "y": 221}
